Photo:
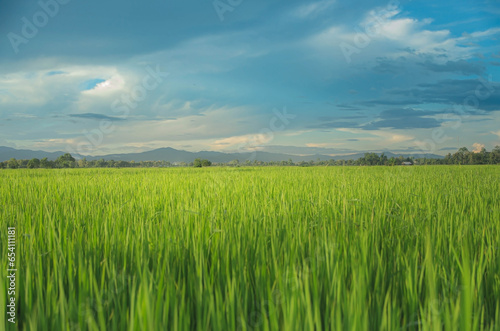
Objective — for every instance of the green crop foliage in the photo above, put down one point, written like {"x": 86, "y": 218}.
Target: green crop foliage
{"x": 275, "y": 248}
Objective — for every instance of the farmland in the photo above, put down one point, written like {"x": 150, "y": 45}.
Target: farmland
{"x": 269, "y": 248}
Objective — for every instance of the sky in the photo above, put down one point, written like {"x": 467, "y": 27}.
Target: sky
{"x": 301, "y": 77}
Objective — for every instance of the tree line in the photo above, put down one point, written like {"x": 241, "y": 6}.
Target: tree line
{"x": 463, "y": 156}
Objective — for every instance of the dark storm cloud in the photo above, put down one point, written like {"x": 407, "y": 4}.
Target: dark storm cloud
{"x": 477, "y": 94}
{"x": 406, "y": 118}
{"x": 462, "y": 67}
{"x": 398, "y": 118}
{"x": 453, "y": 91}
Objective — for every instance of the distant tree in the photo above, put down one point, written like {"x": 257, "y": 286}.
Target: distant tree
{"x": 480, "y": 157}
{"x": 33, "y": 163}
{"x": 448, "y": 159}
{"x": 100, "y": 163}
{"x": 461, "y": 156}
{"x": 65, "y": 161}
{"x": 45, "y": 163}
{"x": 383, "y": 159}
{"x": 197, "y": 163}
{"x": 12, "y": 164}
{"x": 82, "y": 163}
{"x": 495, "y": 155}
{"x": 110, "y": 163}
{"x": 369, "y": 159}
{"x": 122, "y": 164}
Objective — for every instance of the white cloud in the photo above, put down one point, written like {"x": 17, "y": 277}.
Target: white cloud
{"x": 242, "y": 143}
{"x": 386, "y": 136}
{"x": 37, "y": 89}
{"x": 477, "y": 147}
{"x": 312, "y": 8}
{"x": 324, "y": 145}
{"x": 115, "y": 83}
{"x": 215, "y": 124}
{"x": 383, "y": 33}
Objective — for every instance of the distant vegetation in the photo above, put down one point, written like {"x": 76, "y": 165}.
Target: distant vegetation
{"x": 198, "y": 163}
{"x": 463, "y": 156}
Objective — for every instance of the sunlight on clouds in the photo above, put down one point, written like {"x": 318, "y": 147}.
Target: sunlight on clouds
{"x": 324, "y": 145}
{"x": 113, "y": 84}
{"x": 384, "y": 34}
{"x": 54, "y": 143}
{"x": 387, "y": 136}
{"x": 37, "y": 88}
{"x": 477, "y": 147}
{"x": 197, "y": 131}
{"x": 398, "y": 138}
{"x": 247, "y": 142}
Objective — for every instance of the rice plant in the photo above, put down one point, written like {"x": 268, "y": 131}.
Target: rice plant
{"x": 276, "y": 248}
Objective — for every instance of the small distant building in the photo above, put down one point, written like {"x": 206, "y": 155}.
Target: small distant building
{"x": 407, "y": 163}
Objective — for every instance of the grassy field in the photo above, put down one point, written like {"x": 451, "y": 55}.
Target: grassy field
{"x": 333, "y": 248}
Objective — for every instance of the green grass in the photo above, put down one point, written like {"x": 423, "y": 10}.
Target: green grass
{"x": 344, "y": 248}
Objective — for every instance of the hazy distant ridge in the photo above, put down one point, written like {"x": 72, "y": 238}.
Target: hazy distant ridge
{"x": 174, "y": 155}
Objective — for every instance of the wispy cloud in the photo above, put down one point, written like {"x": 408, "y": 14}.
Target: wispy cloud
{"x": 93, "y": 116}
{"x": 311, "y": 9}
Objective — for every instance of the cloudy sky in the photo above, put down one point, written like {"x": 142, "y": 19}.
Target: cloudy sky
{"x": 303, "y": 77}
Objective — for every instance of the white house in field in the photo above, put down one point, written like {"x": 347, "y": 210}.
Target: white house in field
{"x": 407, "y": 163}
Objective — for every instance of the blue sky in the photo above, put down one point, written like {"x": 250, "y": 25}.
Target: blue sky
{"x": 302, "y": 77}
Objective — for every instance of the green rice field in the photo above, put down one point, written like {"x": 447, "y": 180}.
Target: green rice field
{"x": 264, "y": 248}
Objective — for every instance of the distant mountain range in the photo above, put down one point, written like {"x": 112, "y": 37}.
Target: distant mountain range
{"x": 6, "y": 153}
{"x": 174, "y": 155}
